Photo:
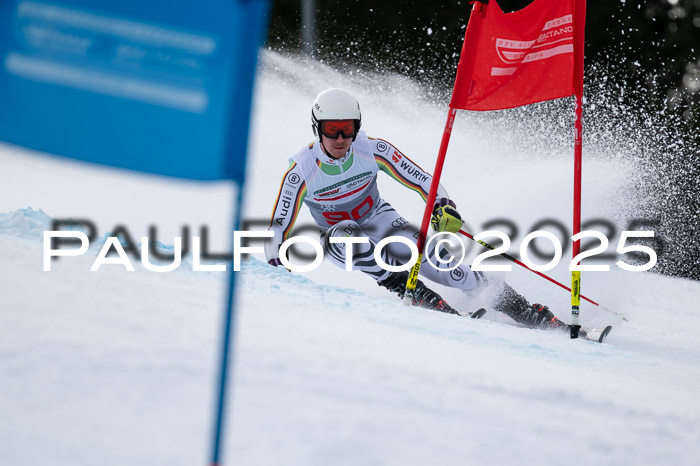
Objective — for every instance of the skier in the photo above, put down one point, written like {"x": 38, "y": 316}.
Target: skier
{"x": 336, "y": 177}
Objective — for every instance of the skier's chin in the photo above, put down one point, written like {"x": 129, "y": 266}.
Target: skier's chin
{"x": 338, "y": 152}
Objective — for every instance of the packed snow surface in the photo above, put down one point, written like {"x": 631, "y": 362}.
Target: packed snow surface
{"x": 119, "y": 367}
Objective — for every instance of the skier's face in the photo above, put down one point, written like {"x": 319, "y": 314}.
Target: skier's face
{"x": 336, "y": 147}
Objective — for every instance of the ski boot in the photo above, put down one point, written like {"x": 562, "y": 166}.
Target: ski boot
{"x": 517, "y": 307}
{"x": 422, "y": 295}
{"x": 546, "y": 318}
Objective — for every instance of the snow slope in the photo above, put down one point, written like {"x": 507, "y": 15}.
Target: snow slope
{"x": 118, "y": 367}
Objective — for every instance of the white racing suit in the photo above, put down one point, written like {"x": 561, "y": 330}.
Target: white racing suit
{"x": 344, "y": 201}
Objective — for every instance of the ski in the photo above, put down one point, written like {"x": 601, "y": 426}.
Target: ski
{"x": 594, "y": 334}
{"x": 478, "y": 314}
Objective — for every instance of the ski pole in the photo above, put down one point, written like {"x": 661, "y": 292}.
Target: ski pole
{"x": 513, "y": 259}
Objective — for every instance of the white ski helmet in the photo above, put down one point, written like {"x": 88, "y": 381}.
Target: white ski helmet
{"x": 335, "y": 104}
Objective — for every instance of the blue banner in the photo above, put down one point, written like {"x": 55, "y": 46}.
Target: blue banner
{"x": 155, "y": 86}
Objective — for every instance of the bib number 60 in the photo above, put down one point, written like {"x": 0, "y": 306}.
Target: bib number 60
{"x": 355, "y": 214}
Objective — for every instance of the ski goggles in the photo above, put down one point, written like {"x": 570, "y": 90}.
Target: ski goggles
{"x": 333, "y": 128}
